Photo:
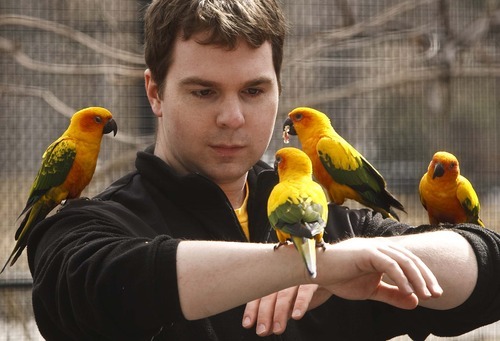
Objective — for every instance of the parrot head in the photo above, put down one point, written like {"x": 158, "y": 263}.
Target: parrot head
{"x": 92, "y": 122}
{"x": 306, "y": 122}
{"x": 443, "y": 165}
{"x": 291, "y": 161}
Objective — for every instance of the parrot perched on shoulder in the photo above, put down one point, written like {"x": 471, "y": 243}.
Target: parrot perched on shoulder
{"x": 67, "y": 167}
{"x": 338, "y": 166}
{"x": 297, "y": 207}
{"x": 447, "y": 196}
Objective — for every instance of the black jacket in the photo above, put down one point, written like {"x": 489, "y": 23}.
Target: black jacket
{"x": 104, "y": 269}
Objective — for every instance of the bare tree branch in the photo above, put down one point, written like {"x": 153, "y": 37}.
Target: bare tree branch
{"x": 346, "y": 12}
{"x": 345, "y": 33}
{"x": 395, "y": 80}
{"x": 68, "y": 69}
{"x": 68, "y": 32}
{"x": 65, "y": 110}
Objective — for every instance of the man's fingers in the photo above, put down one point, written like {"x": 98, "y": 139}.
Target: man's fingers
{"x": 392, "y": 295}
{"x": 427, "y": 275}
{"x": 270, "y": 314}
{"x": 410, "y": 273}
{"x": 250, "y": 313}
{"x": 265, "y": 314}
{"x": 260, "y": 313}
{"x": 303, "y": 300}
{"x": 283, "y": 308}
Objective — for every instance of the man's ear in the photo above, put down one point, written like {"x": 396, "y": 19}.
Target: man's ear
{"x": 152, "y": 93}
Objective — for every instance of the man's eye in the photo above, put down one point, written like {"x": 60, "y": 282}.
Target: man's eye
{"x": 253, "y": 91}
{"x": 202, "y": 93}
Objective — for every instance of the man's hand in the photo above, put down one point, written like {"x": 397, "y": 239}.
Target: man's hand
{"x": 270, "y": 314}
{"x": 355, "y": 268}
{"x": 352, "y": 269}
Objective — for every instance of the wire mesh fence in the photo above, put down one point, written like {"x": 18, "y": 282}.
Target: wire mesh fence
{"x": 399, "y": 80}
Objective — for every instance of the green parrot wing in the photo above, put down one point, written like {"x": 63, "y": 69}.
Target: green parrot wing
{"x": 299, "y": 217}
{"x": 468, "y": 198}
{"x": 56, "y": 164}
{"x": 348, "y": 167}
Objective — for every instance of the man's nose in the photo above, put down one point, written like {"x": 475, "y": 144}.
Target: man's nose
{"x": 231, "y": 113}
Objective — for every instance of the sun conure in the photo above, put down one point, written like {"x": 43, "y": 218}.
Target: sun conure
{"x": 447, "y": 196}
{"x": 338, "y": 166}
{"x": 68, "y": 165}
{"x": 297, "y": 207}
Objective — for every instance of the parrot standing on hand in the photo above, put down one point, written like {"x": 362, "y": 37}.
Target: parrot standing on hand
{"x": 447, "y": 196}
{"x": 338, "y": 166}
{"x": 297, "y": 207}
{"x": 67, "y": 167}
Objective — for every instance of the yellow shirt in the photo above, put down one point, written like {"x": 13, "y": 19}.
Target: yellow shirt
{"x": 242, "y": 214}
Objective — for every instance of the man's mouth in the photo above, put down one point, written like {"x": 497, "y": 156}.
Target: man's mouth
{"x": 227, "y": 150}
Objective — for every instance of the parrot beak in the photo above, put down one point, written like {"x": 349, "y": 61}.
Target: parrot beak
{"x": 110, "y": 127}
{"x": 276, "y": 164}
{"x": 438, "y": 170}
{"x": 288, "y": 127}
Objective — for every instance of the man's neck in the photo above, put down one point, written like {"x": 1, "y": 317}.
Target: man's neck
{"x": 235, "y": 192}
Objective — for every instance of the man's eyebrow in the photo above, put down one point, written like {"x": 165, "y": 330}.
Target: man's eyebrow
{"x": 197, "y": 81}
{"x": 259, "y": 81}
{"x": 206, "y": 83}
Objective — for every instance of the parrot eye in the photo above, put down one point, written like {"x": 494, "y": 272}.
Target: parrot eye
{"x": 276, "y": 162}
{"x": 298, "y": 117}
{"x": 98, "y": 119}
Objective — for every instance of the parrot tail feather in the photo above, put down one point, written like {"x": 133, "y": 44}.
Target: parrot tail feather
{"x": 7, "y": 263}
{"x": 307, "y": 250}
{"x": 479, "y": 222}
{"x": 34, "y": 214}
{"x": 392, "y": 214}
{"x": 393, "y": 202}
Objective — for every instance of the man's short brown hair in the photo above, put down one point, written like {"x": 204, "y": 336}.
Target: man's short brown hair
{"x": 225, "y": 22}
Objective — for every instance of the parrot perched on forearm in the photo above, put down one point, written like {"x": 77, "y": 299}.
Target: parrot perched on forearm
{"x": 67, "y": 167}
{"x": 297, "y": 207}
{"x": 338, "y": 166}
{"x": 447, "y": 196}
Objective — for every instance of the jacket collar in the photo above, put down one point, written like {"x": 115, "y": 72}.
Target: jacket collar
{"x": 200, "y": 193}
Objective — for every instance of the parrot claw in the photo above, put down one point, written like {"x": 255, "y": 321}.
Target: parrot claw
{"x": 280, "y": 244}
{"x": 321, "y": 244}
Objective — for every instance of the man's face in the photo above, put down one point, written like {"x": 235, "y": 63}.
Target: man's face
{"x": 217, "y": 111}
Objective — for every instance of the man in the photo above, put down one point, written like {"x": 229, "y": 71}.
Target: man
{"x": 164, "y": 252}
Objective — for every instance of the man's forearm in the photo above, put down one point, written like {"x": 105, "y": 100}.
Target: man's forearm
{"x": 451, "y": 259}
{"x": 214, "y": 276}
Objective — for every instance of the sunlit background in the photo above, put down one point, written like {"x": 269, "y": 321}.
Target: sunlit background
{"x": 400, "y": 80}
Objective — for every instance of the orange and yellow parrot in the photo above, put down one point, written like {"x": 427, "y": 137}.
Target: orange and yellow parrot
{"x": 338, "y": 166}
{"x": 67, "y": 167}
{"x": 297, "y": 207}
{"x": 447, "y": 196}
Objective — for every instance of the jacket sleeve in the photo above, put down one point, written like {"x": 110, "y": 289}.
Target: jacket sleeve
{"x": 481, "y": 308}
{"x": 100, "y": 273}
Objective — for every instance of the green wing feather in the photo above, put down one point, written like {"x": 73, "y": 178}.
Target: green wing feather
{"x": 302, "y": 220}
{"x": 469, "y": 201}
{"x": 348, "y": 167}
{"x": 56, "y": 164}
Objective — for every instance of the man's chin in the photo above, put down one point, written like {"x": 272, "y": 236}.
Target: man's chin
{"x": 227, "y": 173}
